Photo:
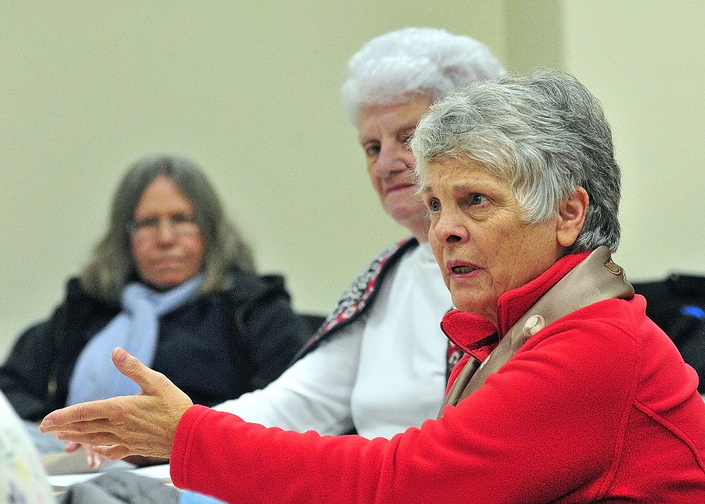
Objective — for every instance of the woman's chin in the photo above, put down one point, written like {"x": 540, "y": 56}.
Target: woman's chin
{"x": 164, "y": 284}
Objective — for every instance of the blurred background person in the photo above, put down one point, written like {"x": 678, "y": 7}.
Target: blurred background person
{"x": 379, "y": 363}
{"x": 172, "y": 279}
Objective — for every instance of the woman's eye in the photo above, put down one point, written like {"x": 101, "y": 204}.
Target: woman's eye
{"x": 181, "y": 218}
{"x": 434, "y": 205}
{"x": 477, "y": 199}
{"x": 146, "y": 223}
{"x": 371, "y": 150}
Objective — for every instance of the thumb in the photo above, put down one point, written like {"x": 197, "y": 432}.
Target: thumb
{"x": 129, "y": 365}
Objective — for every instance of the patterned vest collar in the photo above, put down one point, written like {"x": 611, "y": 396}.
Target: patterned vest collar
{"x": 360, "y": 296}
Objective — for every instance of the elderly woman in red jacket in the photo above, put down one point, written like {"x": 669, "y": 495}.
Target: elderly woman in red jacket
{"x": 568, "y": 392}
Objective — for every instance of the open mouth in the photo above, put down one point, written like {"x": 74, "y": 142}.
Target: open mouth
{"x": 462, "y": 270}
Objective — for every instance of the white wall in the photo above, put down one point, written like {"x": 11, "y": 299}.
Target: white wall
{"x": 248, "y": 89}
{"x": 645, "y": 60}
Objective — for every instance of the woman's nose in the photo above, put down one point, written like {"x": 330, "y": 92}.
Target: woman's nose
{"x": 449, "y": 228}
{"x": 394, "y": 158}
{"x": 165, "y": 231}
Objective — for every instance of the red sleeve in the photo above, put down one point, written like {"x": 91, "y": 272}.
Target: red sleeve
{"x": 221, "y": 455}
{"x": 547, "y": 424}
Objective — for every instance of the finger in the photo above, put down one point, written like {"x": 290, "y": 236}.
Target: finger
{"x": 92, "y": 427}
{"x": 94, "y": 460}
{"x": 151, "y": 382}
{"x": 114, "y": 452}
{"x": 72, "y": 447}
{"x": 84, "y": 412}
{"x": 93, "y": 437}
{"x": 89, "y": 437}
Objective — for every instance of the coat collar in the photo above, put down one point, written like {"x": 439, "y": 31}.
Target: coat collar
{"x": 478, "y": 336}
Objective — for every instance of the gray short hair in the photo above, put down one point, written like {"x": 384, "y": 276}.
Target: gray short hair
{"x": 391, "y": 68}
{"x": 544, "y": 133}
{"x": 112, "y": 267}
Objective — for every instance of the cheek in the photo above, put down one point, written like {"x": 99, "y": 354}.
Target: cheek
{"x": 524, "y": 255}
{"x": 140, "y": 257}
{"x": 374, "y": 179}
{"x": 196, "y": 250}
{"x": 140, "y": 253}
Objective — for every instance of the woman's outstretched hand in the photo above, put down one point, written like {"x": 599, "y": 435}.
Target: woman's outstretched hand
{"x": 142, "y": 424}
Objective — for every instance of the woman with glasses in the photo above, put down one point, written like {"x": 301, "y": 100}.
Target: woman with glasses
{"x": 172, "y": 279}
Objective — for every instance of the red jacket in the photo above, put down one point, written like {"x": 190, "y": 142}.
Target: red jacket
{"x": 596, "y": 407}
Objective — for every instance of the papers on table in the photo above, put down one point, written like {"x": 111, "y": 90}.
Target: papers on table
{"x": 66, "y": 469}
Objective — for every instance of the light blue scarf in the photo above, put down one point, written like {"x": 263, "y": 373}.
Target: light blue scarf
{"x": 136, "y": 329}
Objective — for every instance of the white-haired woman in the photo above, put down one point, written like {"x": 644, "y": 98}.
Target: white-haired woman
{"x": 379, "y": 363}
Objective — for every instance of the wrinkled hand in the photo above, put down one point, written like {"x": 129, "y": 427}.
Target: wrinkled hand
{"x": 142, "y": 424}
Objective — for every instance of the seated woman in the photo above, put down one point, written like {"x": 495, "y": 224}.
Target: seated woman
{"x": 579, "y": 397}
{"x": 380, "y": 362}
{"x": 173, "y": 280}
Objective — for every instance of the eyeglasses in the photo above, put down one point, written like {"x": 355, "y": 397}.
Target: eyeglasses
{"x": 179, "y": 224}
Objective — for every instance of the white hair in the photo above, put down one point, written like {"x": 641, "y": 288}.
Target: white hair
{"x": 390, "y": 68}
{"x": 545, "y": 133}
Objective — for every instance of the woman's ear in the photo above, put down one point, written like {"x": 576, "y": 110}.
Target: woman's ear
{"x": 571, "y": 217}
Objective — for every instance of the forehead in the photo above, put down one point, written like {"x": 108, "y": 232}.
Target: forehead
{"x": 459, "y": 176}
{"x": 162, "y": 193}
{"x": 373, "y": 119}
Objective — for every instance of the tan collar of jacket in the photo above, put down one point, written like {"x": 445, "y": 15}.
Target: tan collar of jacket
{"x": 595, "y": 279}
